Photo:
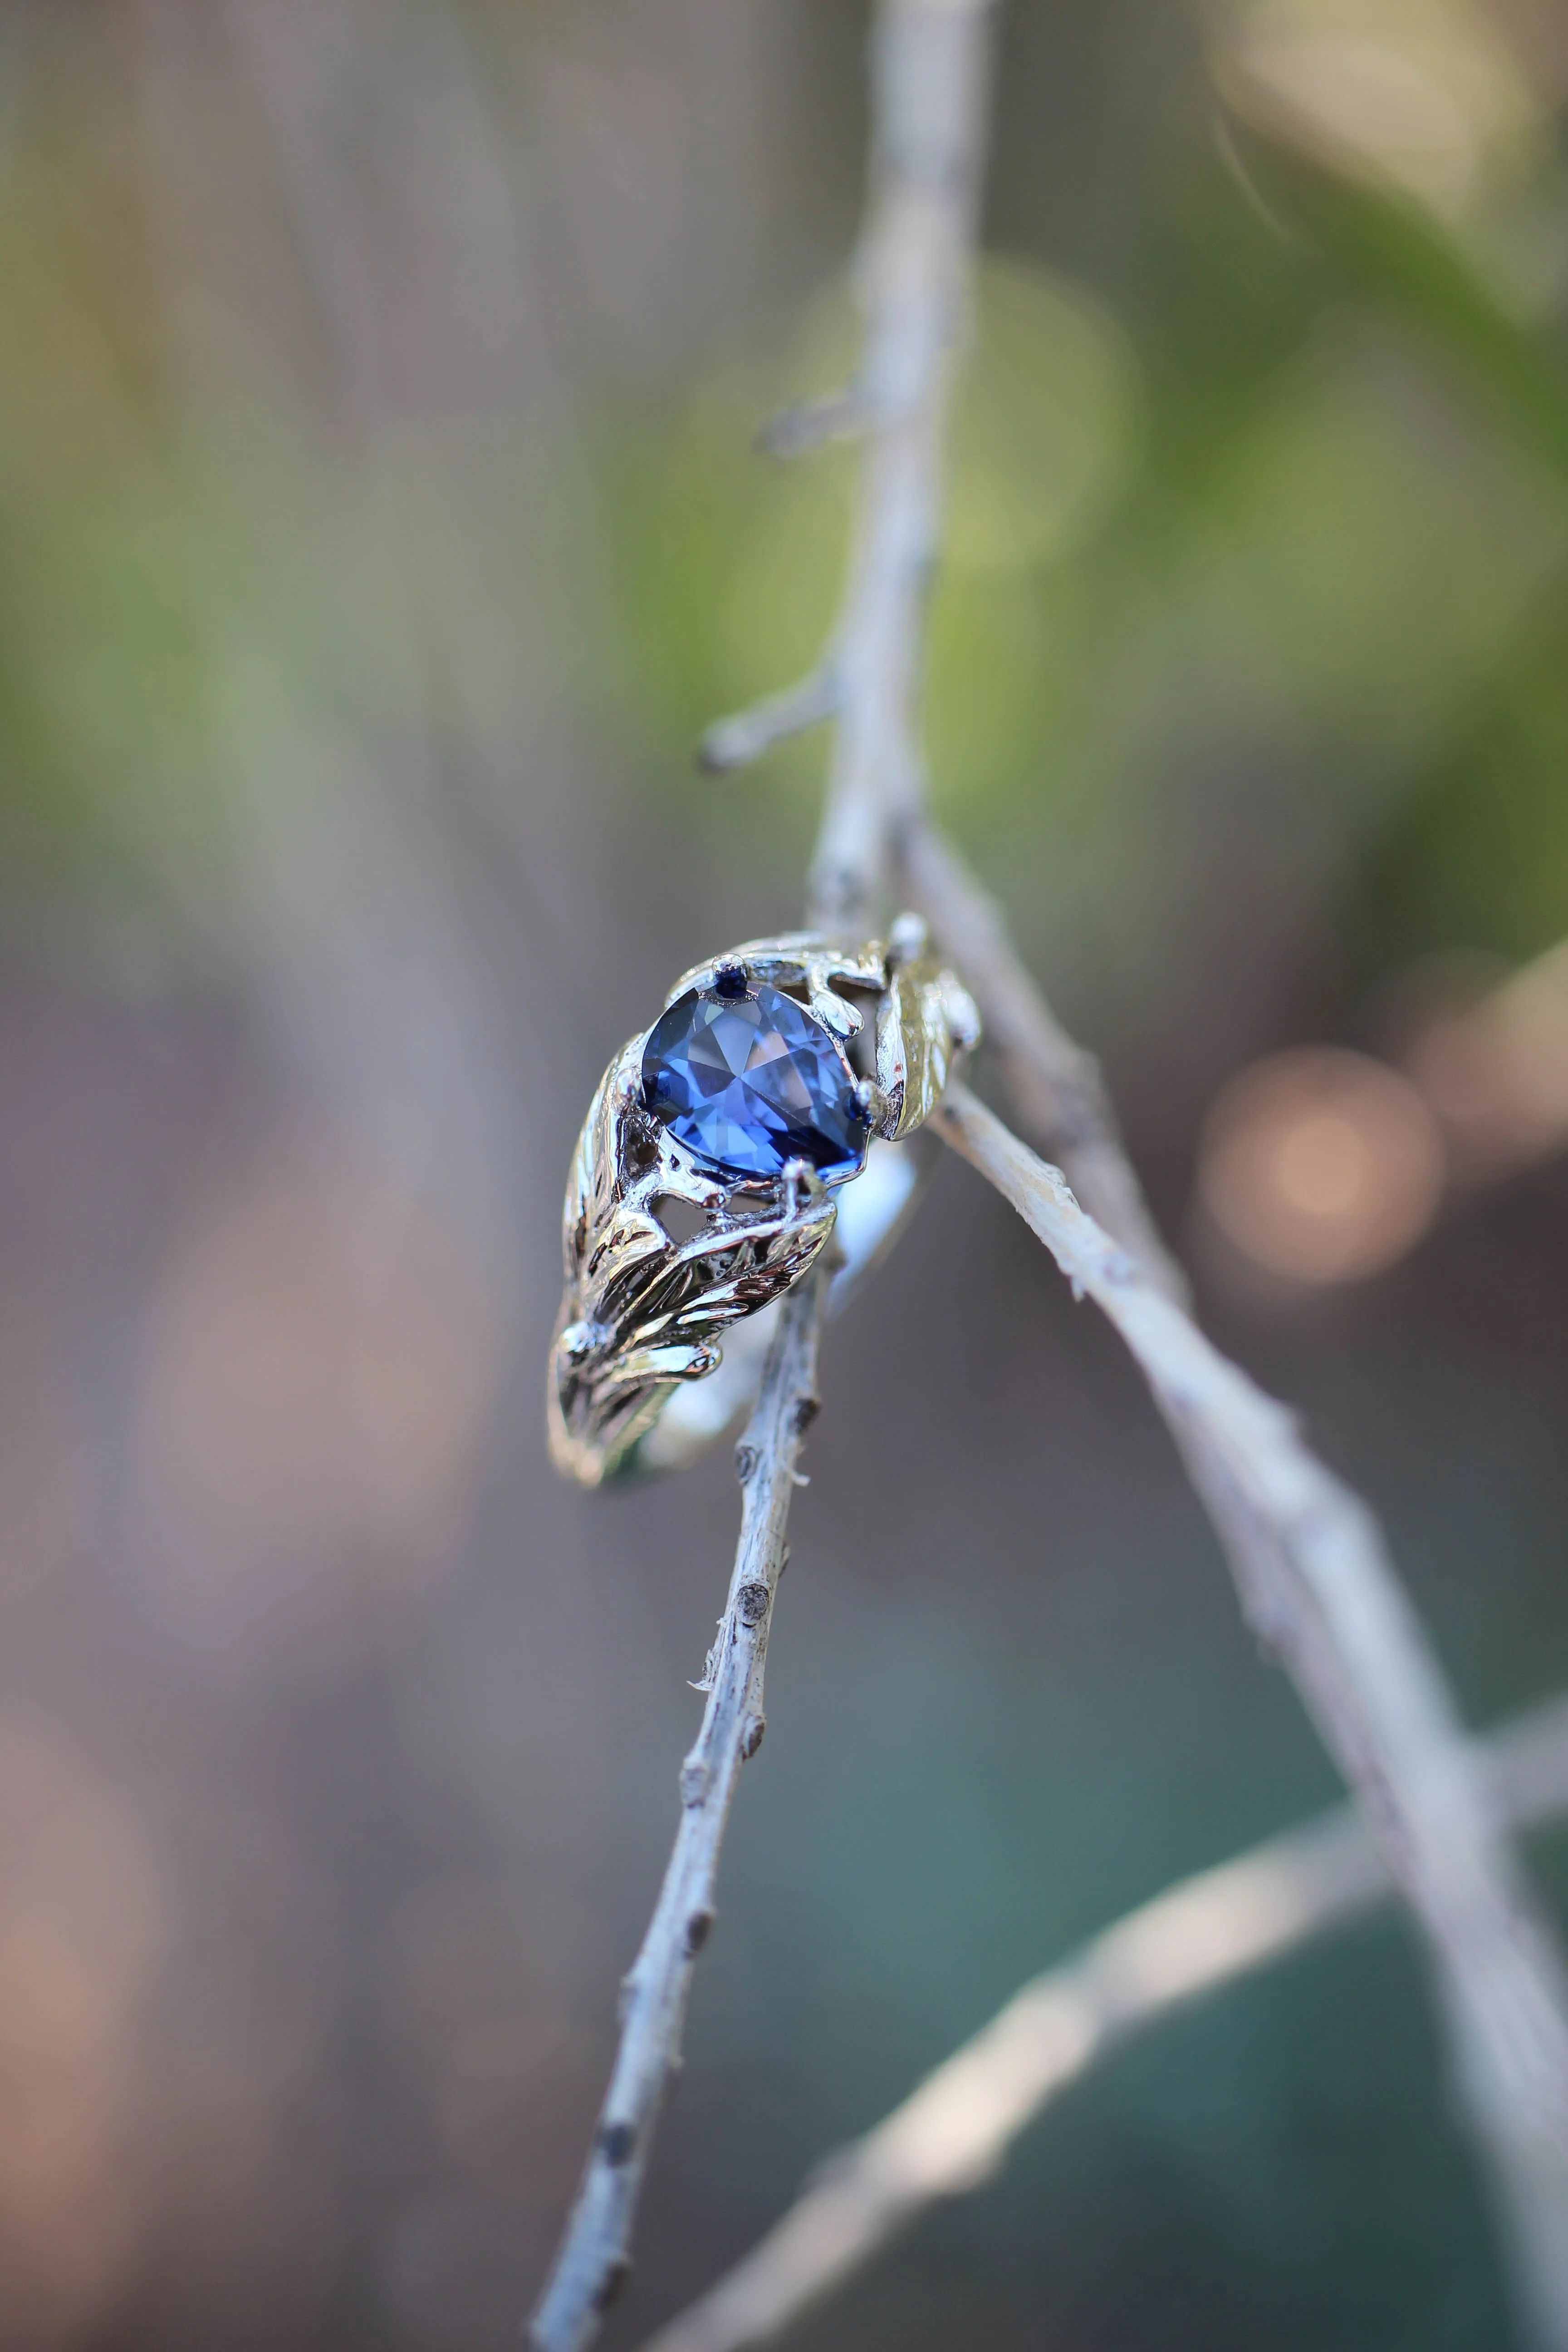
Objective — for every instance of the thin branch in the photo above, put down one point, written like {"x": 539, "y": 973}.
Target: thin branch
{"x": 737, "y": 741}
{"x": 924, "y": 232}
{"x": 930, "y": 65}
{"x": 595, "y": 2252}
{"x": 1319, "y": 1588}
{"x": 955, "y": 2128}
{"x": 928, "y": 74}
{"x": 1056, "y": 1085}
{"x": 930, "y": 77}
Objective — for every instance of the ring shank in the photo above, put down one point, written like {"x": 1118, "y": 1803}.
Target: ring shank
{"x": 871, "y": 1208}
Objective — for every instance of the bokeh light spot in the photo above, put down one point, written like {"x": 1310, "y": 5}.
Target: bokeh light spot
{"x": 1320, "y": 1165}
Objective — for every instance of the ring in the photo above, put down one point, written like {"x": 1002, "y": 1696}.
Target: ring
{"x": 763, "y": 1113}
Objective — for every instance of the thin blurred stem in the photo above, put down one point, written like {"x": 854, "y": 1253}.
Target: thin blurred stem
{"x": 1319, "y": 1588}
{"x": 957, "y": 2125}
{"x": 930, "y": 73}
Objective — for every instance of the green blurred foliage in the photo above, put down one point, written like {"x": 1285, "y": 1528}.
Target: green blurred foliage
{"x": 1295, "y": 489}
{"x": 1301, "y": 497}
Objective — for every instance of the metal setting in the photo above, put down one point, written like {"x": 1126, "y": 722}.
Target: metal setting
{"x": 651, "y": 1288}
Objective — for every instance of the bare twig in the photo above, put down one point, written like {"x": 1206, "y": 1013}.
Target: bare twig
{"x": 736, "y": 742}
{"x": 593, "y": 2257}
{"x": 931, "y": 62}
{"x": 928, "y": 76}
{"x": 954, "y": 2129}
{"x": 927, "y": 73}
{"x": 1319, "y": 1588}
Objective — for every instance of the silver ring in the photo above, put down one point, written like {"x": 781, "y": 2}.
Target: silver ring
{"x": 762, "y": 1115}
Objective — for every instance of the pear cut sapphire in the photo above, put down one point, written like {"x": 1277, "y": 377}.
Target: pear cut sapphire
{"x": 751, "y": 1082}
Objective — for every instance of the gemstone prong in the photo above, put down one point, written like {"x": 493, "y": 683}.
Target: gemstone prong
{"x": 837, "y": 1012}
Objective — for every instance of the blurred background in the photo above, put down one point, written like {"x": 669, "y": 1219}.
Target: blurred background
{"x": 378, "y": 527}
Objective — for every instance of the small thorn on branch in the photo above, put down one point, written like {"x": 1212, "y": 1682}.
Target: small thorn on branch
{"x": 737, "y": 741}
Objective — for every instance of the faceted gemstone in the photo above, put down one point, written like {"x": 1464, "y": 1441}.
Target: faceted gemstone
{"x": 750, "y": 1082}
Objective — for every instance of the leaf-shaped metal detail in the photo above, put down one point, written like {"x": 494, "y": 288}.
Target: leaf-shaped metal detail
{"x": 925, "y": 1019}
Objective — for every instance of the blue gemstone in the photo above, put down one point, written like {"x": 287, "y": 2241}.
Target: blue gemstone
{"x": 751, "y": 1082}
